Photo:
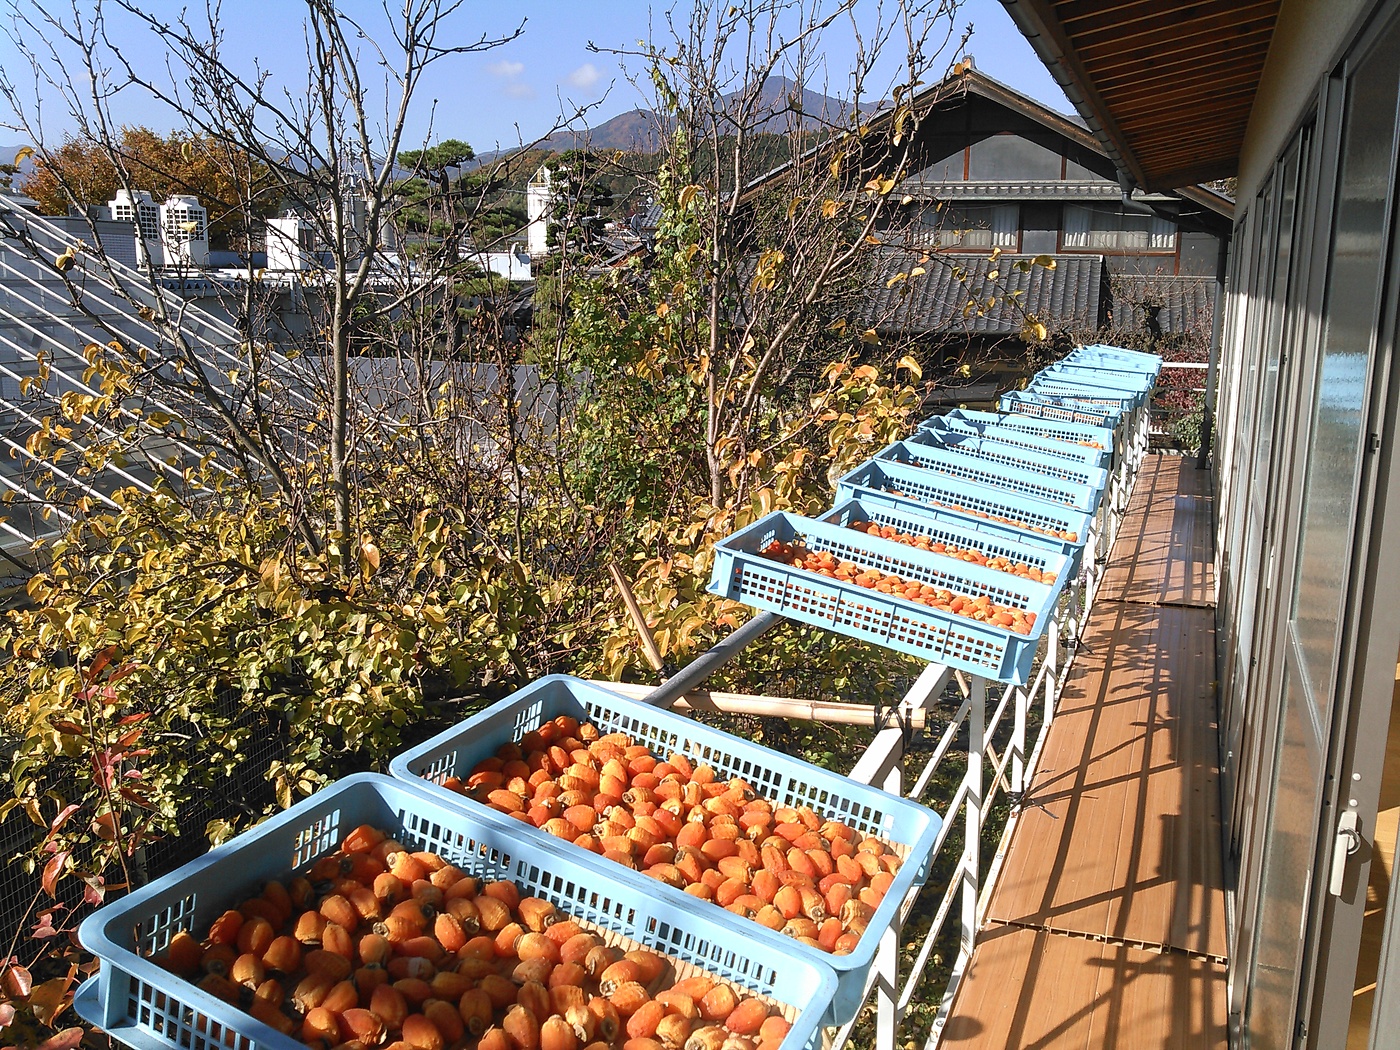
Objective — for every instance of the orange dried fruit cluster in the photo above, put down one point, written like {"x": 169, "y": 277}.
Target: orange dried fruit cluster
{"x": 1061, "y": 534}
{"x": 813, "y": 879}
{"x": 381, "y": 947}
{"x": 980, "y": 608}
{"x": 967, "y": 554}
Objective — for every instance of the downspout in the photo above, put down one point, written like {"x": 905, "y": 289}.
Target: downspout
{"x": 1217, "y": 322}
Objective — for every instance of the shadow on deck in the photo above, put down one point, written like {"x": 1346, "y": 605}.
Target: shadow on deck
{"x": 1106, "y": 926}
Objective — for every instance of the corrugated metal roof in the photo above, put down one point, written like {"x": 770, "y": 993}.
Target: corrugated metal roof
{"x": 1181, "y": 303}
{"x": 936, "y": 301}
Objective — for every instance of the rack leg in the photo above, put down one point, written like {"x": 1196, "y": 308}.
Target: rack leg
{"x": 971, "y": 876}
{"x": 1018, "y": 744}
{"x": 887, "y": 955}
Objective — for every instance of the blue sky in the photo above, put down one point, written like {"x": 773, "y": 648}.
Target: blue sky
{"x": 524, "y": 84}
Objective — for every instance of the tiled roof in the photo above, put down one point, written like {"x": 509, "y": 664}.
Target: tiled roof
{"x": 1183, "y": 302}
{"x": 1067, "y": 296}
{"x": 933, "y": 189}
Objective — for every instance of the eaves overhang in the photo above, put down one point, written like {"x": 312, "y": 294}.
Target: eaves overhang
{"x": 1166, "y": 88}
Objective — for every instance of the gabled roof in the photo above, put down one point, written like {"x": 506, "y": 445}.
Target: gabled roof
{"x": 1076, "y": 137}
{"x": 1167, "y": 89}
{"x": 1078, "y": 141}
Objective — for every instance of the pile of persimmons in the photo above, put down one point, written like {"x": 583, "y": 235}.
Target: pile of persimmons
{"x": 967, "y": 554}
{"x": 1059, "y": 534}
{"x": 381, "y": 947}
{"x": 716, "y": 838}
{"x": 979, "y": 607}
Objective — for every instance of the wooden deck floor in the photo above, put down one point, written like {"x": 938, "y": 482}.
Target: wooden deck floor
{"x": 1106, "y": 926}
{"x": 1167, "y": 556}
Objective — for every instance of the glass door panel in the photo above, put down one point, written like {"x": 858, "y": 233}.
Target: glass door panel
{"x": 1331, "y": 439}
{"x": 1288, "y": 857}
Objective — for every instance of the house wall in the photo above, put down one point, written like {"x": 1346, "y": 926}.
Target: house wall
{"x": 1307, "y": 464}
{"x": 1306, "y": 38}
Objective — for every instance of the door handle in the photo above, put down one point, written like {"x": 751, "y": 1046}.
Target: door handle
{"x": 1347, "y": 842}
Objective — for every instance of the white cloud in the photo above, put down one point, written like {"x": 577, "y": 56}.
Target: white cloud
{"x": 518, "y": 89}
{"x": 585, "y": 76}
{"x": 506, "y": 68}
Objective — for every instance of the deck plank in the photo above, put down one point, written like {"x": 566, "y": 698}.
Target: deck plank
{"x": 1035, "y": 990}
{"x": 1164, "y": 553}
{"x": 1106, "y": 925}
{"x": 1119, "y": 836}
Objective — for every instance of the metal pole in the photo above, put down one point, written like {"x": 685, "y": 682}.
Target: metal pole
{"x": 1216, "y": 326}
{"x": 887, "y": 955}
{"x": 708, "y": 663}
{"x": 976, "y": 731}
{"x": 1018, "y": 744}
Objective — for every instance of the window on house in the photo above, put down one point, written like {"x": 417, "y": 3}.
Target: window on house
{"x": 1091, "y": 228}
{"x": 973, "y": 227}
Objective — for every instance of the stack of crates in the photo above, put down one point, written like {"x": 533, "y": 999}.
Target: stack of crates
{"x": 438, "y": 800}
{"x": 956, "y": 544}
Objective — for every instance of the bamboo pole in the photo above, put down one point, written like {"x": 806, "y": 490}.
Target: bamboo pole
{"x": 772, "y": 706}
{"x": 653, "y": 654}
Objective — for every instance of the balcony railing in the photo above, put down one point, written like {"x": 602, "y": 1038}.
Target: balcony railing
{"x": 994, "y": 720}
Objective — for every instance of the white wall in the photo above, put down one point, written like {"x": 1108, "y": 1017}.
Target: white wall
{"x": 1307, "y": 36}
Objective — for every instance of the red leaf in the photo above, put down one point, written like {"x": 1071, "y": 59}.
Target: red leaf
{"x": 100, "y": 662}
{"x": 128, "y": 739}
{"x": 121, "y": 672}
{"x": 127, "y": 720}
{"x": 52, "y": 870}
{"x": 17, "y": 982}
{"x": 71, "y": 728}
{"x": 64, "y": 1040}
{"x": 62, "y": 818}
{"x": 132, "y": 796}
{"x": 7, "y": 1015}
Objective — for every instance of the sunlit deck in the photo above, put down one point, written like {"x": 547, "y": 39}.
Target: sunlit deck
{"x": 1106, "y": 925}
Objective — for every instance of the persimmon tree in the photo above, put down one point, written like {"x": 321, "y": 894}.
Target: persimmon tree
{"x": 394, "y": 509}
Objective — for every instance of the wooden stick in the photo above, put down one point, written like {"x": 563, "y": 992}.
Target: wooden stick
{"x": 771, "y": 706}
{"x": 653, "y": 654}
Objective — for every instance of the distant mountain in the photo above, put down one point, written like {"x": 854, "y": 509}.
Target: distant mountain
{"x": 640, "y": 131}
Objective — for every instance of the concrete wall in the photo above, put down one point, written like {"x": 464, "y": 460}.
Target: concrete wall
{"x": 1306, "y": 39}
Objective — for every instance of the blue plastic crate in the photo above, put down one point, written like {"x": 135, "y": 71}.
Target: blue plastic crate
{"x": 993, "y": 474}
{"x": 1134, "y": 359}
{"x": 1061, "y": 409}
{"x": 144, "y": 1006}
{"x": 1089, "y": 393}
{"x": 1105, "y": 361}
{"x": 1056, "y": 448}
{"x": 1019, "y": 455}
{"x": 1120, "y": 351}
{"x": 996, "y": 533}
{"x": 1073, "y": 372}
{"x": 745, "y": 575}
{"x": 908, "y": 826}
{"x": 993, "y": 541}
{"x": 1073, "y": 434}
{"x": 1090, "y": 358}
{"x": 922, "y": 490}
